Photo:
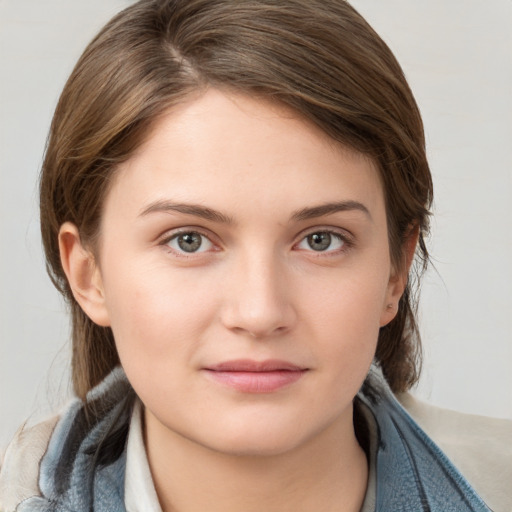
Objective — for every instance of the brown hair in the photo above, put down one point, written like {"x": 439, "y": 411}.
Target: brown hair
{"x": 319, "y": 57}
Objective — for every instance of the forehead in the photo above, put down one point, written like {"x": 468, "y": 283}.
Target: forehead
{"x": 225, "y": 149}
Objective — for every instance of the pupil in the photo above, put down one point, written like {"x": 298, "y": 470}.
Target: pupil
{"x": 189, "y": 242}
{"x": 319, "y": 241}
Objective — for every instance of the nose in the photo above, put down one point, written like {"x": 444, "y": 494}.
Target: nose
{"x": 258, "y": 298}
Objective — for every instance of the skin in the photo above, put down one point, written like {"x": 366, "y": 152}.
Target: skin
{"x": 255, "y": 289}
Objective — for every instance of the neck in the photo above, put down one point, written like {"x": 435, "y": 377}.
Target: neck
{"x": 328, "y": 472}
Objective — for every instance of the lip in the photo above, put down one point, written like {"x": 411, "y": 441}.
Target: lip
{"x": 250, "y": 376}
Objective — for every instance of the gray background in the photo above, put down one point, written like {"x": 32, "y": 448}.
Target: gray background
{"x": 457, "y": 57}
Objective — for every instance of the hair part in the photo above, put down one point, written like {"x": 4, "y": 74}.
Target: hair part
{"x": 318, "y": 57}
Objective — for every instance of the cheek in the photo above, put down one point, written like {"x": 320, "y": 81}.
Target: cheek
{"x": 345, "y": 313}
{"x": 350, "y": 302}
{"x": 156, "y": 312}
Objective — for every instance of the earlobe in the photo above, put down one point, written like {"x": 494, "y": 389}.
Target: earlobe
{"x": 399, "y": 278}
{"x": 83, "y": 274}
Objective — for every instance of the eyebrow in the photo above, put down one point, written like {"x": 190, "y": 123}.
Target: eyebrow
{"x": 188, "y": 209}
{"x": 204, "y": 212}
{"x": 330, "y": 208}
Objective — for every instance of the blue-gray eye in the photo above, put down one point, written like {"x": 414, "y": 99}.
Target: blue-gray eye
{"x": 190, "y": 242}
{"x": 321, "y": 241}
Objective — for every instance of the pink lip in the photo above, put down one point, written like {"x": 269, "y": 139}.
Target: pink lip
{"x": 255, "y": 377}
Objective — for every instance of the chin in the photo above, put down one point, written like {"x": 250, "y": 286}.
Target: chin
{"x": 261, "y": 447}
{"x": 263, "y": 440}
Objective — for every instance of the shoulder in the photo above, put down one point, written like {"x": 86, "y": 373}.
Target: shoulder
{"x": 480, "y": 447}
{"x": 19, "y": 470}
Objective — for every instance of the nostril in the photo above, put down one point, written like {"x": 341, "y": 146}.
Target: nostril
{"x": 261, "y": 331}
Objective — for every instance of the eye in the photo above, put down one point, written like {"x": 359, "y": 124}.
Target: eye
{"x": 322, "y": 241}
{"x": 189, "y": 242}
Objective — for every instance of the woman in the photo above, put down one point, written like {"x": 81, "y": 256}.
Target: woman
{"x": 232, "y": 197}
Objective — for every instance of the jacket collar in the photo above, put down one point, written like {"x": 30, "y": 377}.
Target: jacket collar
{"x": 412, "y": 473}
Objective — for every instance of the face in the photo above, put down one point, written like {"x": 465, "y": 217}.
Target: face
{"x": 244, "y": 269}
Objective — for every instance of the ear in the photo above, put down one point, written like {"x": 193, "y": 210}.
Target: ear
{"x": 399, "y": 277}
{"x": 83, "y": 274}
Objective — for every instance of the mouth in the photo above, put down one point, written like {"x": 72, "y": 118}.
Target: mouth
{"x": 249, "y": 376}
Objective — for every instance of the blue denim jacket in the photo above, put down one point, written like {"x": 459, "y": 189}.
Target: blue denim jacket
{"x": 83, "y": 468}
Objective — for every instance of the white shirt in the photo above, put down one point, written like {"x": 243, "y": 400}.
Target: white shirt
{"x": 139, "y": 490}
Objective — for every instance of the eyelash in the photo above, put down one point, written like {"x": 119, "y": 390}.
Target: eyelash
{"x": 176, "y": 234}
{"x": 346, "y": 239}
